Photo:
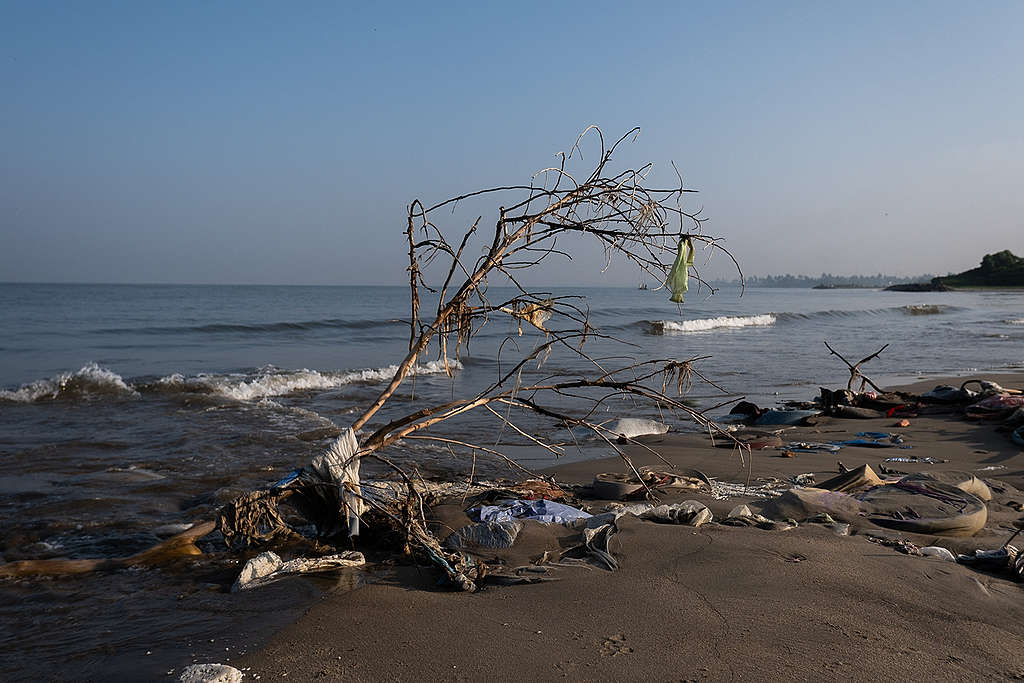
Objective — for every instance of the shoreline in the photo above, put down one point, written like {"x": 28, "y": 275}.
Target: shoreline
{"x": 699, "y": 603}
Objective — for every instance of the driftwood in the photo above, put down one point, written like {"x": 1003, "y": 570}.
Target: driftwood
{"x": 855, "y": 372}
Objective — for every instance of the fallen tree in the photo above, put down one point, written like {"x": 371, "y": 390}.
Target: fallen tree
{"x": 630, "y": 220}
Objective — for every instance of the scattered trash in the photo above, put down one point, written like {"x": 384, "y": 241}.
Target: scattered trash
{"x": 785, "y": 417}
{"x": 991, "y": 560}
{"x": 812, "y": 447}
{"x": 939, "y": 552}
{"x": 210, "y": 673}
{"x": 922, "y": 505}
{"x": 995, "y": 406}
{"x": 852, "y": 480}
{"x": 546, "y": 511}
{"x": 690, "y": 512}
{"x": 902, "y": 423}
{"x": 825, "y": 519}
{"x": 631, "y": 427}
{"x": 853, "y": 412}
{"x": 927, "y": 460}
{"x": 615, "y": 486}
{"x": 267, "y": 568}
{"x": 484, "y": 535}
{"x": 874, "y": 440}
{"x": 947, "y": 394}
{"x": 741, "y": 515}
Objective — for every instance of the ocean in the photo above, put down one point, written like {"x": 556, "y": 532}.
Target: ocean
{"x": 127, "y": 409}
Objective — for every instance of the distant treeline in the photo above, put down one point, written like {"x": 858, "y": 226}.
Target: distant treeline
{"x": 830, "y": 280}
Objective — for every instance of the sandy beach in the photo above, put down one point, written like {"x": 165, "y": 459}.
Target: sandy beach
{"x": 713, "y": 602}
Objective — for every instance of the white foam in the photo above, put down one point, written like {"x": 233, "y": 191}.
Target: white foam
{"x": 1014, "y": 321}
{"x": 725, "y": 321}
{"x": 273, "y": 382}
{"x": 90, "y": 379}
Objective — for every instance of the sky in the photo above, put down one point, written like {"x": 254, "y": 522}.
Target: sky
{"x": 280, "y": 143}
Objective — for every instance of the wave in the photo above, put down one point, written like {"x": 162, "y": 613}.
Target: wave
{"x": 704, "y": 324}
{"x": 255, "y": 328}
{"x": 734, "y": 321}
{"x": 1014, "y": 321}
{"x": 275, "y": 382}
{"x": 926, "y": 309}
{"x": 91, "y": 381}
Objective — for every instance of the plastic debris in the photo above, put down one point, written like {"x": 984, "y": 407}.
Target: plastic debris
{"x": 690, "y": 512}
{"x": 484, "y": 535}
{"x": 630, "y": 427}
{"x": 267, "y": 568}
{"x": 927, "y": 460}
{"x": 678, "y": 276}
{"x": 210, "y": 673}
{"x": 991, "y": 560}
{"x": 939, "y": 552}
{"x": 812, "y": 447}
{"x": 546, "y": 511}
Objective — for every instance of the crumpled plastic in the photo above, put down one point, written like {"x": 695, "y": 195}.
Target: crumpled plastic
{"x": 547, "y": 511}
{"x": 678, "y": 276}
{"x": 339, "y": 465}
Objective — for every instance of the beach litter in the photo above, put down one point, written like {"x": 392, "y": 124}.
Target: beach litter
{"x": 538, "y": 510}
{"x": 1004, "y": 558}
{"x": 939, "y": 552}
{"x": 631, "y": 427}
{"x": 619, "y": 486}
{"x": 267, "y": 567}
{"x": 210, "y": 673}
{"x": 927, "y": 460}
{"x": 690, "y": 513}
{"x": 812, "y": 447}
{"x": 484, "y": 535}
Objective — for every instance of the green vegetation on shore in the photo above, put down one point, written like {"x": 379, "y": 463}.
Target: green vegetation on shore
{"x": 1002, "y": 269}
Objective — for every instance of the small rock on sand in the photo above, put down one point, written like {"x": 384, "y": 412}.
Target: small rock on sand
{"x": 210, "y": 673}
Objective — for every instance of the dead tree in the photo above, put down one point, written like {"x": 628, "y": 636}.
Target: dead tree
{"x": 855, "y": 372}
{"x": 533, "y": 222}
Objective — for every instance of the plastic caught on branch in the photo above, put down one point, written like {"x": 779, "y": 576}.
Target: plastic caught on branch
{"x": 339, "y": 465}
{"x": 678, "y": 277}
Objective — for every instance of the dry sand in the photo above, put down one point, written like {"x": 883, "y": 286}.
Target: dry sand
{"x": 715, "y": 602}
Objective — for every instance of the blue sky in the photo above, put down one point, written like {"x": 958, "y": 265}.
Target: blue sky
{"x": 281, "y": 142}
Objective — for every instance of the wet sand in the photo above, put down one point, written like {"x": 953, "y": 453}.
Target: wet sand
{"x": 713, "y": 602}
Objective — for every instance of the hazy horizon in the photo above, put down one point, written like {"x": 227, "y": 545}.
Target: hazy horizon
{"x": 213, "y": 144}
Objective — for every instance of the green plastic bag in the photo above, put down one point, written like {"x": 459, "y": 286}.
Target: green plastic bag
{"x": 678, "y": 276}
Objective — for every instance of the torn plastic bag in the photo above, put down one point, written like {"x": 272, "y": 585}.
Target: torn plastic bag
{"x": 339, "y": 466}
{"x": 484, "y": 535}
{"x": 678, "y": 276}
{"x": 546, "y": 511}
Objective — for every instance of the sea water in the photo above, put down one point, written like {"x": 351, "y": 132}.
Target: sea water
{"x": 127, "y": 408}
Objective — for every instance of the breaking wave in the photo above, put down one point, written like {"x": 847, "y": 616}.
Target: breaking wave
{"x": 1014, "y": 321}
{"x": 91, "y": 381}
{"x": 703, "y": 324}
{"x": 272, "y": 381}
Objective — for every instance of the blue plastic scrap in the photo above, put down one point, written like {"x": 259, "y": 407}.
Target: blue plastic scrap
{"x": 547, "y": 511}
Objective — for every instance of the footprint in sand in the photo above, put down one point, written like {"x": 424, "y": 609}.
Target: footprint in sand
{"x": 613, "y": 646}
